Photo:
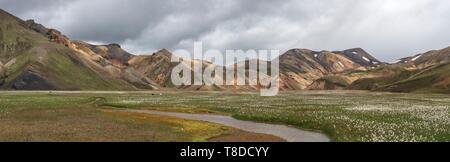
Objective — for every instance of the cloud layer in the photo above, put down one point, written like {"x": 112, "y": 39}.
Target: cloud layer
{"x": 389, "y": 29}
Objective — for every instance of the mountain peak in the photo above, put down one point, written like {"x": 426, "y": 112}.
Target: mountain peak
{"x": 114, "y": 45}
{"x": 355, "y": 49}
{"x": 164, "y": 52}
{"x": 360, "y": 56}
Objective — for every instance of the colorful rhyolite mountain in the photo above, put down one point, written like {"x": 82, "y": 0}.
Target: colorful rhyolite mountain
{"x": 33, "y": 57}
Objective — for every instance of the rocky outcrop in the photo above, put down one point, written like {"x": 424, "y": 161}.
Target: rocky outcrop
{"x": 41, "y": 29}
{"x": 110, "y": 54}
{"x": 52, "y": 34}
{"x": 56, "y": 36}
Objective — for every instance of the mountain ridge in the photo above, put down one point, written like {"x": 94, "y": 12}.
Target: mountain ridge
{"x": 34, "y": 57}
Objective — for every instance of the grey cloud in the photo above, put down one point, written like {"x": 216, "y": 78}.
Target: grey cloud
{"x": 389, "y": 29}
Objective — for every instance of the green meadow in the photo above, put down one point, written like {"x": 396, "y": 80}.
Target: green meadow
{"x": 341, "y": 115}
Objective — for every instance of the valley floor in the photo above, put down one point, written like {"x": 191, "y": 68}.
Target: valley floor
{"x": 341, "y": 115}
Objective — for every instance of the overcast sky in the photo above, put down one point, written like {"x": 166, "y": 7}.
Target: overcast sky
{"x": 388, "y": 29}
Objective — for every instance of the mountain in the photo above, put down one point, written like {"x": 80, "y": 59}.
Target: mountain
{"x": 33, "y": 57}
{"x": 299, "y": 68}
{"x": 38, "y": 58}
{"x": 424, "y": 60}
{"x": 431, "y": 73}
{"x": 427, "y": 72}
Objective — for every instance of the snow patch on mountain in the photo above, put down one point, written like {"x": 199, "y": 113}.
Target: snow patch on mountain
{"x": 417, "y": 57}
{"x": 365, "y": 58}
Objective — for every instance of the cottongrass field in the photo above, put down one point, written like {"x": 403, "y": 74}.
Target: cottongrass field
{"x": 342, "y": 115}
